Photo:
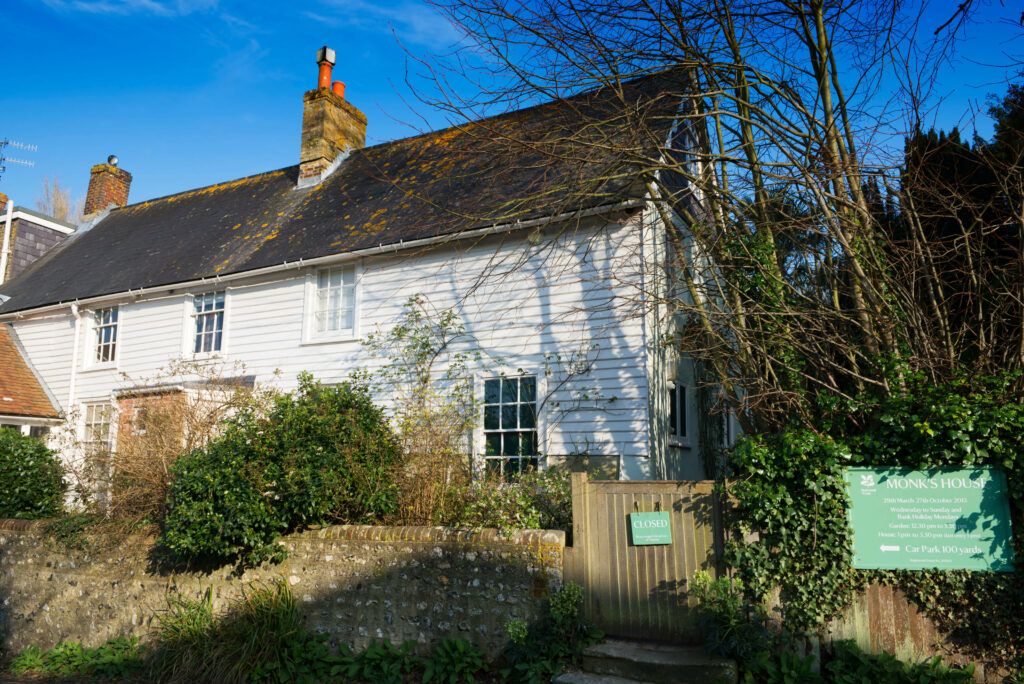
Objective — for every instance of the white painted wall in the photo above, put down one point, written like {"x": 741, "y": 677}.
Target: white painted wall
{"x": 574, "y": 292}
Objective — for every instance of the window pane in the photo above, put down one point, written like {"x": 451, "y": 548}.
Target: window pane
{"x": 216, "y": 342}
{"x": 527, "y": 417}
{"x": 494, "y": 467}
{"x": 494, "y": 444}
{"x": 491, "y": 421}
{"x": 528, "y": 389}
{"x": 491, "y": 388}
{"x": 510, "y": 444}
{"x": 509, "y": 417}
{"x": 509, "y": 390}
{"x": 673, "y": 427}
{"x": 528, "y": 443}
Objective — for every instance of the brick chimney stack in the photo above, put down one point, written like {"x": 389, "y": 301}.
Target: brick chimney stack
{"x": 108, "y": 187}
{"x": 330, "y": 124}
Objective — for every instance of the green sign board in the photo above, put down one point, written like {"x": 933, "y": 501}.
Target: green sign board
{"x": 650, "y": 528}
{"x": 945, "y": 518}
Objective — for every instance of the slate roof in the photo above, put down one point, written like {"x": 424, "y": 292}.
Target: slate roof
{"x": 535, "y": 162}
{"x": 21, "y": 392}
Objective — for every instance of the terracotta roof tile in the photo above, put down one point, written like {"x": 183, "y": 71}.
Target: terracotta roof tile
{"x": 21, "y": 393}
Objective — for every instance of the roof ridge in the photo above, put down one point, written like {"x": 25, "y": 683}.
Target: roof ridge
{"x": 201, "y": 188}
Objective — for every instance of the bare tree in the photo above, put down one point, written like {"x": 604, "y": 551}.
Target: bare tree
{"x": 55, "y": 200}
{"x": 768, "y": 136}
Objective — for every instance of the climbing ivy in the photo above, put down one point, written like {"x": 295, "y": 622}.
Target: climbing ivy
{"x": 789, "y": 488}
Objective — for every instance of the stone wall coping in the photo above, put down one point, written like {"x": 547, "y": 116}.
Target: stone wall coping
{"x": 375, "y": 533}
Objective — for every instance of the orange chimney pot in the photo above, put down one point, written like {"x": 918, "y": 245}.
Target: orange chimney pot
{"x": 339, "y": 88}
{"x": 325, "y": 75}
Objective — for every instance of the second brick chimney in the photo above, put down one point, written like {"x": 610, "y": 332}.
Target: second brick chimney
{"x": 330, "y": 124}
{"x": 108, "y": 187}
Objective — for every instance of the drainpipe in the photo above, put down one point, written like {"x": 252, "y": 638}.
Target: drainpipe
{"x": 74, "y": 356}
{"x": 5, "y": 250}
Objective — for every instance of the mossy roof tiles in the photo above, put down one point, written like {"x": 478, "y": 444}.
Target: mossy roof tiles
{"x": 565, "y": 155}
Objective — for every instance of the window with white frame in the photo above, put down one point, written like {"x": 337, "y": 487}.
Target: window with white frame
{"x": 208, "y": 313}
{"x": 105, "y": 327}
{"x": 677, "y": 412}
{"x": 334, "y": 309}
{"x": 96, "y": 431}
{"x": 510, "y": 424}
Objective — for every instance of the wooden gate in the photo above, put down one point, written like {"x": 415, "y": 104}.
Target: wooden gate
{"x": 641, "y": 591}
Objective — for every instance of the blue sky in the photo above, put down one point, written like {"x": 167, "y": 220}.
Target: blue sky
{"x": 193, "y": 92}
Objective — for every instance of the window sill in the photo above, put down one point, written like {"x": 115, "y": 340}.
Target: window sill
{"x": 329, "y": 339}
{"x": 681, "y": 443}
{"x": 96, "y": 367}
{"x": 203, "y": 357}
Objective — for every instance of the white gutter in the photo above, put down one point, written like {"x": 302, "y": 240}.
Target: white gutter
{"x": 5, "y": 249}
{"x": 330, "y": 259}
{"x": 42, "y": 221}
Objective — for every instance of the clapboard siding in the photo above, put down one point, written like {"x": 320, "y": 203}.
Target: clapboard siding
{"x": 576, "y": 295}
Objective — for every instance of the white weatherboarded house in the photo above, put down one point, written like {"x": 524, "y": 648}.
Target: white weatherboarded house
{"x": 550, "y": 274}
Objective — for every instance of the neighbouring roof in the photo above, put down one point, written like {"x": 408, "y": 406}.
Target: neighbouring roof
{"x": 21, "y": 392}
{"x": 430, "y": 185}
{"x": 43, "y": 218}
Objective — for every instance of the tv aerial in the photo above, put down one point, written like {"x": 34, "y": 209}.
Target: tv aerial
{"x": 4, "y": 160}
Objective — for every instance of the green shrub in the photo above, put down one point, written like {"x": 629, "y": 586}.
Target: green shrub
{"x": 324, "y": 454}
{"x": 380, "y": 663}
{"x": 454, "y": 660}
{"x": 31, "y": 478}
{"x": 532, "y": 500}
{"x": 851, "y": 665}
{"x": 116, "y": 659}
{"x": 783, "y": 668}
{"x": 260, "y": 638}
{"x": 731, "y": 626}
{"x": 538, "y": 652}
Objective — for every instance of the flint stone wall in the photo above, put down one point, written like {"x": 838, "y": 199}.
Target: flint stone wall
{"x": 354, "y": 582}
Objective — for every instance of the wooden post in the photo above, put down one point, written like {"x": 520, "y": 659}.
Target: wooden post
{"x": 576, "y": 555}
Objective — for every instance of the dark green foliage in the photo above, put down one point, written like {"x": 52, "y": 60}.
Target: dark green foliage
{"x": 380, "y": 662}
{"x": 324, "y": 455}
{"x": 118, "y": 658}
{"x": 538, "y": 652}
{"x": 31, "y": 478}
{"x": 789, "y": 488}
{"x": 530, "y": 500}
{"x": 782, "y": 668}
{"x": 260, "y": 638}
{"x": 731, "y": 626}
{"x": 850, "y": 665}
{"x": 454, "y": 660}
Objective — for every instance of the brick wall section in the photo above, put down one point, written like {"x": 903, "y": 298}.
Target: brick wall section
{"x": 354, "y": 582}
{"x": 30, "y": 241}
{"x": 330, "y": 125}
{"x": 108, "y": 186}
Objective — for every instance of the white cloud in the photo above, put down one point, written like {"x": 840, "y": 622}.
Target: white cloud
{"x": 412, "y": 22}
{"x": 163, "y": 8}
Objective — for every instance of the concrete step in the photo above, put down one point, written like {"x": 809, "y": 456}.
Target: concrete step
{"x": 657, "y": 663}
{"x": 587, "y": 678}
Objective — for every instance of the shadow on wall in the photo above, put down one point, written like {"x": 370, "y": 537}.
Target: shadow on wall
{"x": 355, "y": 583}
